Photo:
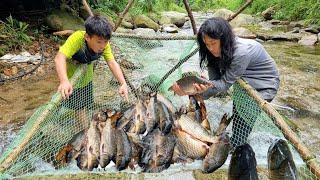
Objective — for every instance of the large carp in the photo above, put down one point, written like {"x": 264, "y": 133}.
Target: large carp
{"x": 243, "y": 164}
{"x": 197, "y": 110}
{"x": 72, "y": 150}
{"x": 157, "y": 151}
{"x": 152, "y": 115}
{"x": 195, "y": 129}
{"x": 217, "y": 155}
{"x": 93, "y": 144}
{"x": 167, "y": 103}
{"x": 123, "y": 149}
{"x": 186, "y": 84}
{"x": 108, "y": 142}
{"x": 165, "y": 118}
{"x": 280, "y": 161}
{"x": 188, "y": 147}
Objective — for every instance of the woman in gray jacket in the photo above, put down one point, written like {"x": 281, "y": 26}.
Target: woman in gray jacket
{"x": 229, "y": 58}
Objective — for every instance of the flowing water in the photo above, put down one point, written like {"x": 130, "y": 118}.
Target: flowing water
{"x": 299, "y": 92}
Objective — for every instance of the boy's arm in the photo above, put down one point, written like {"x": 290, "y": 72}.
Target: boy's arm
{"x": 116, "y": 71}
{"x": 65, "y": 87}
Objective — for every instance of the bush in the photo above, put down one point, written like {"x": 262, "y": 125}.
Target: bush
{"x": 13, "y": 34}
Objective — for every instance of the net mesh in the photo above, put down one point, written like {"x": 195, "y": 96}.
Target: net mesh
{"x": 144, "y": 62}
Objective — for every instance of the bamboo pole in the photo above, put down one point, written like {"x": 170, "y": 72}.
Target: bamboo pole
{"x": 87, "y": 7}
{"x": 122, "y": 14}
{"x": 6, "y": 163}
{"x": 307, "y": 156}
{"x": 240, "y": 10}
{"x": 194, "y": 28}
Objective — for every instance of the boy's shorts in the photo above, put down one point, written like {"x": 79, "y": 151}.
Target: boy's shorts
{"x": 80, "y": 98}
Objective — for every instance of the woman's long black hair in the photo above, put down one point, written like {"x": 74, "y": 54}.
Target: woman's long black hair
{"x": 216, "y": 28}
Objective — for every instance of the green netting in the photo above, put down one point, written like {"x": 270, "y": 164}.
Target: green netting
{"x": 144, "y": 63}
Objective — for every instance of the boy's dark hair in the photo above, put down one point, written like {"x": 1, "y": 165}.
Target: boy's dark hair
{"x": 216, "y": 28}
{"x": 99, "y": 26}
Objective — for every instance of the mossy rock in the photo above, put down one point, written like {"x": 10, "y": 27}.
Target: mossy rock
{"x": 61, "y": 20}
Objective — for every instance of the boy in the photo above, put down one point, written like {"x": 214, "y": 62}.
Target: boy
{"x": 83, "y": 47}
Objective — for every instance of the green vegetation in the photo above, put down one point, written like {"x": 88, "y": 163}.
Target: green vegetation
{"x": 284, "y": 10}
{"x": 13, "y": 35}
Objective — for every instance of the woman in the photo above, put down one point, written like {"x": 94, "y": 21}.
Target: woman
{"x": 229, "y": 58}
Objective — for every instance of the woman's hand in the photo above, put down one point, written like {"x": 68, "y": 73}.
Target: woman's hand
{"x": 200, "y": 88}
{"x": 65, "y": 88}
{"x": 123, "y": 91}
{"x": 177, "y": 90}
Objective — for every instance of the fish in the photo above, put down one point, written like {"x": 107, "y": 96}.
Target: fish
{"x": 108, "y": 142}
{"x": 72, "y": 149}
{"x": 139, "y": 118}
{"x": 136, "y": 148}
{"x": 161, "y": 98}
{"x": 224, "y": 122}
{"x": 280, "y": 161}
{"x": 124, "y": 151}
{"x": 82, "y": 159}
{"x": 157, "y": 151}
{"x": 93, "y": 145}
{"x": 152, "y": 116}
{"x": 243, "y": 164}
{"x": 217, "y": 155}
{"x": 186, "y": 84}
{"x": 188, "y": 147}
{"x": 195, "y": 129}
{"x": 165, "y": 118}
{"x": 193, "y": 109}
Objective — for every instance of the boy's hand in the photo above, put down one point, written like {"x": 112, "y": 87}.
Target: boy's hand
{"x": 65, "y": 88}
{"x": 123, "y": 91}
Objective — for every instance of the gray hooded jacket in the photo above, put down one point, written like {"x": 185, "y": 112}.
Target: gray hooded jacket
{"x": 250, "y": 62}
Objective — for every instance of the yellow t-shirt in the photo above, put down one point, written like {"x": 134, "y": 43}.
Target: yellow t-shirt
{"x": 73, "y": 44}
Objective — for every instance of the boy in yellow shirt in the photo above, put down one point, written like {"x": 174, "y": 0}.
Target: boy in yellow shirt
{"x": 83, "y": 47}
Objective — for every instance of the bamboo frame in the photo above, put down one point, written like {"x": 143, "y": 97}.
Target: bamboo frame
{"x": 240, "y": 10}
{"x": 6, "y": 163}
{"x": 186, "y": 4}
{"x": 122, "y": 14}
{"x": 307, "y": 156}
{"x": 87, "y": 7}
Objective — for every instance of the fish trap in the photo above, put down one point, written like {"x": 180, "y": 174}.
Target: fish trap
{"x": 150, "y": 64}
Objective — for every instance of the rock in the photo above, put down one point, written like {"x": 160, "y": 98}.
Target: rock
{"x": 123, "y": 30}
{"x": 169, "y": 28}
{"x": 243, "y": 19}
{"x": 319, "y": 37}
{"x": 10, "y": 71}
{"x": 224, "y": 13}
{"x": 275, "y": 21}
{"x": 144, "y": 31}
{"x": 299, "y": 24}
{"x": 310, "y": 40}
{"x": 295, "y": 30}
{"x": 268, "y": 13}
{"x": 244, "y": 33}
{"x": 312, "y": 29}
{"x": 126, "y": 25}
{"x": 60, "y": 20}
{"x": 142, "y": 21}
{"x": 172, "y": 17}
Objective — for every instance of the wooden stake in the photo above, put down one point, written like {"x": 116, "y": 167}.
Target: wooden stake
{"x": 7, "y": 162}
{"x": 240, "y": 10}
{"x": 121, "y": 15}
{"x": 307, "y": 156}
{"x": 194, "y": 28}
{"x": 87, "y": 7}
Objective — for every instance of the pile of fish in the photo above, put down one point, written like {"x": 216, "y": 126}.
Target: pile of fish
{"x": 153, "y": 134}
{"x": 150, "y": 134}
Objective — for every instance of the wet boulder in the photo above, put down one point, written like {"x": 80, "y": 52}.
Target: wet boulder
{"x": 172, "y": 17}
{"x": 309, "y": 40}
{"x": 142, "y": 21}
